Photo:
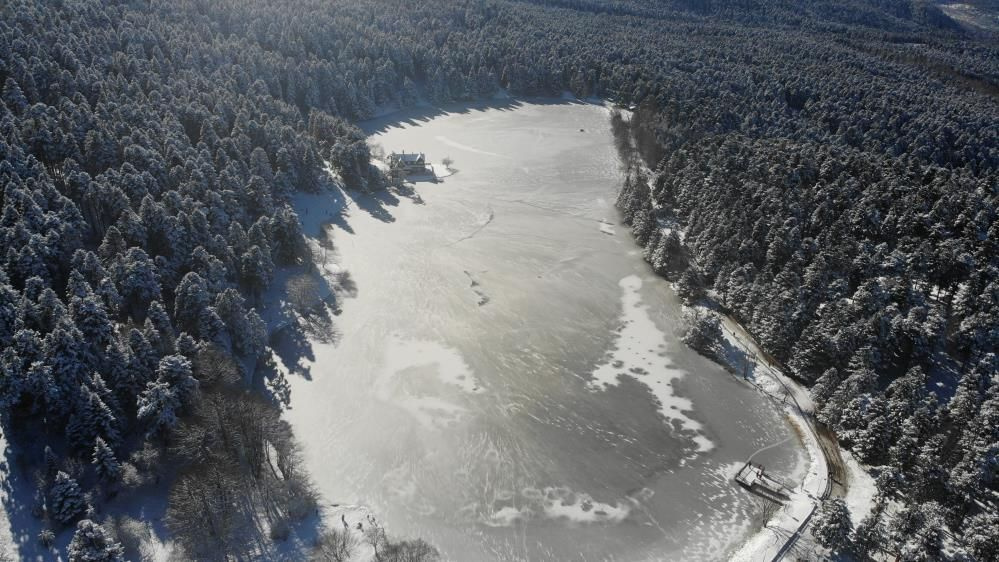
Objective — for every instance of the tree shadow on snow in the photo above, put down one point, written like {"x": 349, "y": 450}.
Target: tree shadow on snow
{"x": 17, "y": 498}
{"x": 293, "y": 346}
{"x": 375, "y": 203}
{"x": 415, "y": 116}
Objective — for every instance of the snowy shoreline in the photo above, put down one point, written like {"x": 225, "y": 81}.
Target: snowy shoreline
{"x": 790, "y": 522}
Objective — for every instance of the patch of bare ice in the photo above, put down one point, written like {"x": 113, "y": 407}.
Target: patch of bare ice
{"x": 639, "y": 353}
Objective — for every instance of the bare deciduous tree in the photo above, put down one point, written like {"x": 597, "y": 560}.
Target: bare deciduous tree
{"x": 417, "y": 550}
{"x": 335, "y": 545}
{"x": 303, "y": 293}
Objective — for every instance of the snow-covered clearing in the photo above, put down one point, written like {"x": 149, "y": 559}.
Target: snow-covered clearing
{"x": 860, "y": 490}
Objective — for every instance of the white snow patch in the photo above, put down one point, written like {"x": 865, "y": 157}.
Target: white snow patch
{"x": 8, "y": 545}
{"x": 585, "y": 510}
{"x": 555, "y": 502}
{"x": 505, "y": 517}
{"x": 450, "y": 365}
{"x": 606, "y": 227}
{"x": 860, "y": 490}
{"x": 426, "y": 379}
{"x": 640, "y": 353}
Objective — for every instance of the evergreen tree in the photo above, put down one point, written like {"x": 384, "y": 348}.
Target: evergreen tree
{"x": 137, "y": 280}
{"x": 256, "y": 269}
{"x": 191, "y": 300}
{"x": 13, "y": 97}
{"x": 158, "y": 406}
{"x": 831, "y": 525}
{"x": 703, "y": 331}
{"x": 66, "y": 499}
{"x": 93, "y": 543}
{"x": 159, "y": 320}
{"x": 826, "y": 385}
{"x": 175, "y": 370}
{"x": 690, "y": 286}
{"x": 105, "y": 464}
{"x": 979, "y": 534}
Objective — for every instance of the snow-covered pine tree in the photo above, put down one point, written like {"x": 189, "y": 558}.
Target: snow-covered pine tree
{"x": 105, "y": 463}
{"x": 158, "y": 406}
{"x": 93, "y": 543}
{"x": 136, "y": 276}
{"x": 211, "y": 328}
{"x": 66, "y": 500}
{"x": 256, "y": 269}
{"x": 190, "y": 301}
{"x": 9, "y": 314}
{"x": 703, "y": 331}
{"x": 91, "y": 418}
{"x": 13, "y": 97}
{"x": 690, "y": 286}
{"x": 286, "y": 229}
{"x": 187, "y": 346}
{"x": 158, "y": 318}
{"x": 175, "y": 370}
{"x": 831, "y": 525}
{"x": 979, "y": 534}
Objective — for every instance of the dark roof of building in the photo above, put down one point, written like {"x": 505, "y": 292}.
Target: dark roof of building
{"x": 408, "y": 158}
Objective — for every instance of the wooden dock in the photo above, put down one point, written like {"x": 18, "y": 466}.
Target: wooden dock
{"x": 757, "y": 480}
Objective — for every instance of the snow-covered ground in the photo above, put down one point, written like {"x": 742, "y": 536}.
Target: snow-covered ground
{"x": 803, "y": 499}
{"x": 638, "y": 353}
{"x": 8, "y": 547}
{"x": 747, "y": 359}
{"x": 860, "y": 490}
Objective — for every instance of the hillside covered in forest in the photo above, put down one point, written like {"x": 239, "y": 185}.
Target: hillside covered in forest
{"x": 834, "y": 164}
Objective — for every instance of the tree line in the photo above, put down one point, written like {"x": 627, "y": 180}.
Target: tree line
{"x": 833, "y": 165}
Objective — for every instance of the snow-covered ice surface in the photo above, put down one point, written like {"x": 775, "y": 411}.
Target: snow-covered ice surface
{"x": 413, "y": 369}
{"x": 639, "y": 353}
{"x": 485, "y": 427}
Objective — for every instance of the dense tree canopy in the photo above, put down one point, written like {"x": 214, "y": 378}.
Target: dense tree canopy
{"x": 833, "y": 165}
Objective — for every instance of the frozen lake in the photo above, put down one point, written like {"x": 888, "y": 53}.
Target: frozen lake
{"x": 508, "y": 382}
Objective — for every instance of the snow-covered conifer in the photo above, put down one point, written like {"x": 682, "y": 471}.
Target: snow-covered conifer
{"x": 191, "y": 300}
{"x": 105, "y": 463}
{"x": 175, "y": 370}
{"x": 66, "y": 500}
{"x": 831, "y": 525}
{"x": 158, "y": 406}
{"x": 93, "y": 543}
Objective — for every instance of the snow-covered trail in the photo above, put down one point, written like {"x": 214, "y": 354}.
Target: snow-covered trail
{"x": 780, "y": 534}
